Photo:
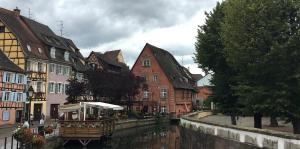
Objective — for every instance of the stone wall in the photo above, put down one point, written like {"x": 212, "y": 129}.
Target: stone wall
{"x": 256, "y": 137}
{"x": 138, "y": 123}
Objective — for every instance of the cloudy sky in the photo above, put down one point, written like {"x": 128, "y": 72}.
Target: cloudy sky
{"x": 101, "y": 25}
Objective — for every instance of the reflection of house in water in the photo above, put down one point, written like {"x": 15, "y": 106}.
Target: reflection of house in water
{"x": 153, "y": 137}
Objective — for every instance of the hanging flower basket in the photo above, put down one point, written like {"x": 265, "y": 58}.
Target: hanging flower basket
{"x": 23, "y": 135}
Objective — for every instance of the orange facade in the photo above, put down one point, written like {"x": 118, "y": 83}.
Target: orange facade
{"x": 204, "y": 92}
{"x": 160, "y": 95}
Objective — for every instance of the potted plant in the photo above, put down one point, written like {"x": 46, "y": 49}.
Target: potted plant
{"x": 38, "y": 141}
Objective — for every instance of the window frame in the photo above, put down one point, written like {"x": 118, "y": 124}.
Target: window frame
{"x": 163, "y": 93}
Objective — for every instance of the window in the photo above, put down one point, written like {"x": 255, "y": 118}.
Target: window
{"x": 9, "y": 77}
{"x": 20, "y": 79}
{"x": 163, "y": 109}
{"x": 40, "y": 50}
{"x": 19, "y": 96}
{"x": 67, "y": 71}
{"x": 66, "y": 87}
{"x": 155, "y": 78}
{"x": 145, "y": 78}
{"x": 146, "y": 63}
{"x": 67, "y": 54}
{"x": 47, "y": 39}
{"x": 39, "y": 87}
{"x": 51, "y": 87}
{"x": 52, "y": 68}
{"x": 6, "y": 96}
{"x": 5, "y": 115}
{"x": 52, "y": 52}
{"x": 146, "y": 94}
{"x": 40, "y": 67}
{"x": 28, "y": 66}
{"x": 163, "y": 93}
{"x": 2, "y": 29}
{"x": 28, "y": 48}
{"x": 59, "y": 69}
{"x": 60, "y": 88}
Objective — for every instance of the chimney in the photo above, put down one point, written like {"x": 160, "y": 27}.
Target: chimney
{"x": 17, "y": 11}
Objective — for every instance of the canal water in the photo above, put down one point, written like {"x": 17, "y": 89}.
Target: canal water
{"x": 161, "y": 137}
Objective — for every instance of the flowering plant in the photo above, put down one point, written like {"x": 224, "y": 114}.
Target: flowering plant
{"x": 23, "y": 135}
{"x": 48, "y": 130}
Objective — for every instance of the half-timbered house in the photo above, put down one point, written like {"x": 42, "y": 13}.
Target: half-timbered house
{"x": 24, "y": 49}
{"x": 12, "y": 91}
{"x": 111, "y": 61}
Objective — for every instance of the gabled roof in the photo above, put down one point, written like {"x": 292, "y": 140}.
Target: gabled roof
{"x": 7, "y": 64}
{"x": 172, "y": 69}
{"x": 109, "y": 60}
{"x": 197, "y": 77}
{"x": 45, "y": 34}
{"x": 205, "y": 81}
{"x": 112, "y": 55}
{"x": 17, "y": 26}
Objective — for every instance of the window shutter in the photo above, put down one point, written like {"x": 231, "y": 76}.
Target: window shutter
{"x": 17, "y": 78}
{"x": 49, "y": 85}
{"x": 24, "y": 97}
{"x": 11, "y": 96}
{"x": 56, "y": 69}
{"x": 4, "y": 77}
{"x": 3, "y": 95}
{"x": 15, "y": 96}
{"x": 13, "y": 78}
{"x": 24, "y": 79}
{"x": 56, "y": 87}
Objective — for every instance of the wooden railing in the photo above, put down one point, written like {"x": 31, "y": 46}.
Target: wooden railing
{"x": 86, "y": 129}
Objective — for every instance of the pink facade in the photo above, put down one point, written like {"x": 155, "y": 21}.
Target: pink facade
{"x": 12, "y": 97}
{"x": 57, "y": 84}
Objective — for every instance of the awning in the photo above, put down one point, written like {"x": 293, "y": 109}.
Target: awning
{"x": 69, "y": 107}
{"x": 77, "y": 106}
{"x": 103, "y": 105}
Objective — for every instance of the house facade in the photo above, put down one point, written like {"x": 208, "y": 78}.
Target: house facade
{"x": 111, "y": 61}
{"x": 23, "y": 48}
{"x": 170, "y": 87}
{"x": 204, "y": 91}
{"x": 12, "y": 91}
{"x": 47, "y": 59}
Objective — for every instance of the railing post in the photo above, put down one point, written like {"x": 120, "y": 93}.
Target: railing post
{"x": 5, "y": 143}
{"x": 12, "y": 142}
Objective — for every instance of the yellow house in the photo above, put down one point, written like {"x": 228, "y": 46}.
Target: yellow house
{"x": 22, "y": 47}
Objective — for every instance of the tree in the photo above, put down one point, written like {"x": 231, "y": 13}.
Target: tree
{"x": 261, "y": 39}
{"x": 74, "y": 90}
{"x": 113, "y": 87}
{"x": 211, "y": 57}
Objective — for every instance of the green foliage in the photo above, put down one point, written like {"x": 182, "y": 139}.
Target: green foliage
{"x": 257, "y": 36}
{"x": 74, "y": 90}
{"x": 211, "y": 57}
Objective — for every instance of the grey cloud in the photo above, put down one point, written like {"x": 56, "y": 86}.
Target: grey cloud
{"x": 94, "y": 22}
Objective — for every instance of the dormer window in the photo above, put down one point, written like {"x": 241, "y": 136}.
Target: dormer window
{"x": 146, "y": 63}
{"x": 67, "y": 55}
{"x": 28, "y": 47}
{"x": 72, "y": 48}
{"x": 40, "y": 50}
{"x": 52, "y": 52}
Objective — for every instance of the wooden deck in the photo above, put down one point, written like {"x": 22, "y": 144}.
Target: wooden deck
{"x": 85, "y": 131}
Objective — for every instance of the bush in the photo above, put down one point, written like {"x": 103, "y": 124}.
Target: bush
{"x": 23, "y": 135}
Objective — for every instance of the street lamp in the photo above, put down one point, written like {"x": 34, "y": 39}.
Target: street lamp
{"x": 30, "y": 95}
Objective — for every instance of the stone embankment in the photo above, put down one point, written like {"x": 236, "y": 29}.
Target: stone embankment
{"x": 261, "y": 138}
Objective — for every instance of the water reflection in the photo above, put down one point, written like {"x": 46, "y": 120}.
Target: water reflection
{"x": 161, "y": 137}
